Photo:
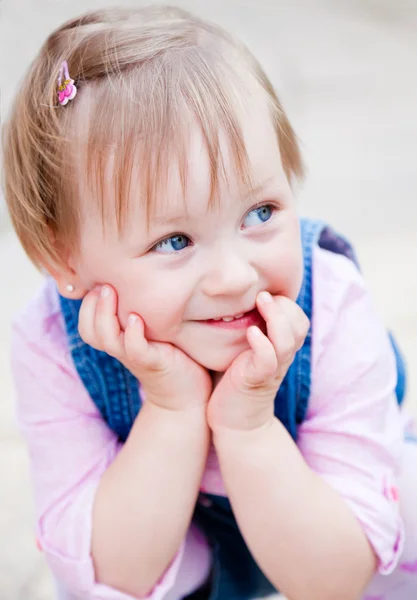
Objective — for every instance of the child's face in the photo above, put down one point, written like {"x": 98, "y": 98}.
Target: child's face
{"x": 202, "y": 263}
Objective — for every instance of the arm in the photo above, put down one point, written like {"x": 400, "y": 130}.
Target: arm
{"x": 164, "y": 456}
{"x": 331, "y": 490}
{"x": 71, "y": 451}
{"x": 302, "y": 534}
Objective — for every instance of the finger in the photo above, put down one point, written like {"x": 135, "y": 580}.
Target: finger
{"x": 279, "y": 330}
{"x": 138, "y": 350}
{"x": 106, "y": 323}
{"x": 263, "y": 361}
{"x": 86, "y": 317}
{"x": 297, "y": 319}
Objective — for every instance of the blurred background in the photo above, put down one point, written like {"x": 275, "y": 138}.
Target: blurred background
{"x": 346, "y": 73}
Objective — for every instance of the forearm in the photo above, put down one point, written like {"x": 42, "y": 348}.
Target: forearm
{"x": 302, "y": 534}
{"x": 145, "y": 500}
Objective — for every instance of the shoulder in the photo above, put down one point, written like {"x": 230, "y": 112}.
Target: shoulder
{"x": 39, "y": 325}
{"x": 334, "y": 277}
{"x": 341, "y": 298}
{"x": 45, "y": 379}
{"x": 350, "y": 342}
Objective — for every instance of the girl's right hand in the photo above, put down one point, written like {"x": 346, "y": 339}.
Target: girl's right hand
{"x": 168, "y": 377}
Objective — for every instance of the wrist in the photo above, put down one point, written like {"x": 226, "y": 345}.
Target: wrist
{"x": 188, "y": 418}
{"x": 243, "y": 415}
{"x": 176, "y": 402}
{"x": 247, "y": 437}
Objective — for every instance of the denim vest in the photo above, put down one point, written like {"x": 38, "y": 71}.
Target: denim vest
{"x": 116, "y": 393}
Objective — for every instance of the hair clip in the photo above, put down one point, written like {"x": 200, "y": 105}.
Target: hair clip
{"x": 66, "y": 89}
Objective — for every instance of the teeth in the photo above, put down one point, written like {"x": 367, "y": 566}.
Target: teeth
{"x": 228, "y": 319}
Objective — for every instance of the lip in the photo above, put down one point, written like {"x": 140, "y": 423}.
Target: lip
{"x": 247, "y": 320}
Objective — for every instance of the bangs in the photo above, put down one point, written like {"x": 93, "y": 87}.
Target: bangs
{"x": 138, "y": 123}
{"x": 145, "y": 78}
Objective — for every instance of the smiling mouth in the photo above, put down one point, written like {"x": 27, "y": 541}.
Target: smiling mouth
{"x": 239, "y": 321}
{"x": 229, "y": 319}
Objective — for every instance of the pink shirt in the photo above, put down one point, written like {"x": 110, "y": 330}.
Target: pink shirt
{"x": 352, "y": 436}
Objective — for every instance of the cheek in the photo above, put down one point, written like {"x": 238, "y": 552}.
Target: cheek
{"x": 295, "y": 274}
{"x": 284, "y": 271}
{"x": 159, "y": 300}
{"x": 158, "y": 295}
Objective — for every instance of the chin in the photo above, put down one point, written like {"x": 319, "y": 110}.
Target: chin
{"x": 219, "y": 363}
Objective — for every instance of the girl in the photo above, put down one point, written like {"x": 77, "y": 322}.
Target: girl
{"x": 209, "y": 400}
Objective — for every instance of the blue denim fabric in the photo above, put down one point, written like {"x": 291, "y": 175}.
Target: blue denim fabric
{"x": 116, "y": 393}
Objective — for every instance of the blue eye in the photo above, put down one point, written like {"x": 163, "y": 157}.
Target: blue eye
{"x": 258, "y": 215}
{"x": 175, "y": 243}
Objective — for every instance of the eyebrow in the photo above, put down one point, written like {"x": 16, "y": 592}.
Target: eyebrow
{"x": 169, "y": 220}
{"x": 257, "y": 189}
{"x": 179, "y": 217}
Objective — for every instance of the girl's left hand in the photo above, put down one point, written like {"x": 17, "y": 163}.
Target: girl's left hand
{"x": 244, "y": 398}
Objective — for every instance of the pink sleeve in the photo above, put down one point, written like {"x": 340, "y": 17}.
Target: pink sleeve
{"x": 70, "y": 447}
{"x": 352, "y": 436}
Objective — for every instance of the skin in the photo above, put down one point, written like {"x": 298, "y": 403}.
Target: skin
{"x": 144, "y": 305}
{"x": 232, "y": 255}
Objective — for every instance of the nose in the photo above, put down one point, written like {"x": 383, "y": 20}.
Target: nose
{"x": 228, "y": 275}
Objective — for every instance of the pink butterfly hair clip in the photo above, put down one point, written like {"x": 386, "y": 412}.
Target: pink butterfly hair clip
{"x": 66, "y": 88}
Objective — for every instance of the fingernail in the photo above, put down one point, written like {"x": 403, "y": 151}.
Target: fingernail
{"x": 105, "y": 291}
{"x": 132, "y": 319}
{"x": 265, "y": 298}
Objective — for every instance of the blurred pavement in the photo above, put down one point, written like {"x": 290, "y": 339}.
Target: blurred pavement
{"x": 346, "y": 73}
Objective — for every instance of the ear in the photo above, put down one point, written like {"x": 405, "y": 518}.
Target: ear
{"x": 68, "y": 284}
{"x": 68, "y": 281}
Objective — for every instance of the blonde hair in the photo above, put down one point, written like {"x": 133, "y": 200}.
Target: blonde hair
{"x": 140, "y": 68}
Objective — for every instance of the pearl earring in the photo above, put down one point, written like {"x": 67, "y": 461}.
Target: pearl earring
{"x": 70, "y": 288}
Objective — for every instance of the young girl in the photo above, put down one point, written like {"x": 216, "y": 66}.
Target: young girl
{"x": 209, "y": 399}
